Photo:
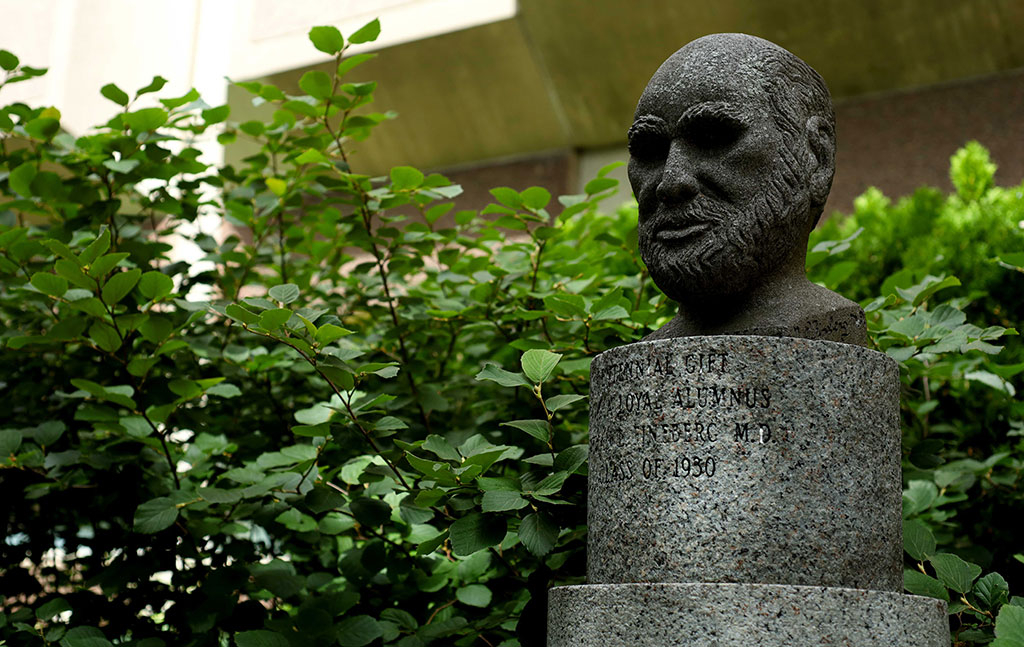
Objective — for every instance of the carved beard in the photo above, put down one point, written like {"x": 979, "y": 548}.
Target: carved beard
{"x": 737, "y": 250}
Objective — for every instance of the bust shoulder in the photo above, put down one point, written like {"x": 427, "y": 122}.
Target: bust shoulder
{"x": 803, "y": 310}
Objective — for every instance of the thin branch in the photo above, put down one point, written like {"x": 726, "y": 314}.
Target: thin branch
{"x": 366, "y": 435}
{"x": 439, "y": 609}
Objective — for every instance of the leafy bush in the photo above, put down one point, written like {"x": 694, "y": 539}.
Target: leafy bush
{"x": 962, "y": 424}
{"x": 360, "y": 417}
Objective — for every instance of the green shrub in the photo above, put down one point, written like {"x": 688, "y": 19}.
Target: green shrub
{"x": 962, "y": 424}
{"x": 360, "y": 418}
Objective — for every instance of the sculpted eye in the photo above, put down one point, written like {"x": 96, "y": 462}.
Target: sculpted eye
{"x": 648, "y": 140}
{"x": 713, "y": 131}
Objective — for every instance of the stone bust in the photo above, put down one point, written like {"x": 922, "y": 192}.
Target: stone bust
{"x": 732, "y": 152}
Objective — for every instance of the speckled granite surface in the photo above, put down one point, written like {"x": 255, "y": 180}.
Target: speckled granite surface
{"x": 745, "y": 459}
{"x": 741, "y": 615}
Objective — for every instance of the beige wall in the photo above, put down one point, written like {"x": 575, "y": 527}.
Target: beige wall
{"x": 195, "y": 43}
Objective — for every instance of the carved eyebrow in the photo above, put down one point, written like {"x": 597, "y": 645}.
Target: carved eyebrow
{"x": 713, "y": 110}
{"x": 648, "y": 123}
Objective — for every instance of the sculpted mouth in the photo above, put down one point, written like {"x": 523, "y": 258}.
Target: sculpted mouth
{"x": 675, "y": 236}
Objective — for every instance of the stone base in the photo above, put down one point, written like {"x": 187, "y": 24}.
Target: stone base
{"x": 745, "y": 459}
{"x": 741, "y": 615}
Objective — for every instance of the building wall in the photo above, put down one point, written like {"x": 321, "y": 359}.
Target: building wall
{"x": 898, "y": 142}
{"x": 518, "y": 80}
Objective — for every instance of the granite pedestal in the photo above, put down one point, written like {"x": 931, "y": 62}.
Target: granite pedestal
{"x": 744, "y": 490}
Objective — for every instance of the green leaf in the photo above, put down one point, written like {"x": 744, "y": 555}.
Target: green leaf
{"x": 104, "y": 336}
{"x": 284, "y": 293}
{"x": 438, "y": 445}
{"x": 357, "y": 631}
{"x": 351, "y": 61}
{"x": 50, "y": 284}
{"x": 8, "y": 61}
{"x": 954, "y": 572}
{"x": 536, "y": 428}
{"x": 42, "y": 127}
{"x": 321, "y": 499}
{"x": 52, "y": 608}
{"x": 240, "y": 314}
{"x": 600, "y": 184}
{"x": 538, "y": 532}
{"x": 312, "y": 431}
{"x": 49, "y": 432}
{"x": 992, "y": 591}
{"x": 277, "y": 186}
{"x": 104, "y": 264}
{"x": 327, "y": 39}
{"x": 327, "y": 333}
{"x": 188, "y": 97}
{"x": 20, "y": 179}
{"x": 571, "y": 458}
{"x": 474, "y": 595}
{"x": 316, "y": 84}
{"x": 436, "y": 470}
{"x": 310, "y": 156}
{"x": 390, "y": 423}
{"x": 537, "y": 364}
{"x": 917, "y": 583}
{"x": 216, "y": 115}
{"x": 219, "y": 495}
{"x": 121, "y": 166}
{"x": 155, "y": 85}
{"x": 508, "y": 197}
{"x": 119, "y": 285}
{"x": 301, "y": 108}
{"x": 918, "y": 497}
{"x": 85, "y": 637}
{"x": 570, "y": 306}
{"x": 146, "y": 119}
{"x": 295, "y": 520}
{"x": 991, "y": 380}
{"x": 500, "y": 500}
{"x": 536, "y": 197}
{"x": 505, "y": 378}
{"x": 370, "y": 511}
{"x": 406, "y": 178}
{"x": 97, "y": 247}
{"x": 1009, "y": 627}
{"x": 155, "y": 285}
{"x": 367, "y": 33}
{"x": 10, "y": 440}
{"x": 260, "y": 638}
{"x": 550, "y": 484}
{"x": 273, "y": 319}
{"x": 557, "y": 402}
{"x": 918, "y": 540}
{"x": 155, "y": 515}
{"x": 115, "y": 94}
{"x": 476, "y": 532}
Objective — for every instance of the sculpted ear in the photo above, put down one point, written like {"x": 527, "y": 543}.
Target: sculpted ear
{"x": 821, "y": 141}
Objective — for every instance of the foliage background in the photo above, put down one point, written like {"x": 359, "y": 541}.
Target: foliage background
{"x": 361, "y": 419}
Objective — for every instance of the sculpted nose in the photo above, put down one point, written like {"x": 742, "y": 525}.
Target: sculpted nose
{"x": 677, "y": 183}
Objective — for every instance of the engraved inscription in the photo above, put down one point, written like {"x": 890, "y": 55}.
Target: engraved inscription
{"x": 697, "y": 431}
{"x": 686, "y": 426}
{"x": 679, "y": 467}
{"x": 694, "y": 397}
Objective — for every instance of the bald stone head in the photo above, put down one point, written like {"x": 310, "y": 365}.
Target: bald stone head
{"x": 732, "y": 153}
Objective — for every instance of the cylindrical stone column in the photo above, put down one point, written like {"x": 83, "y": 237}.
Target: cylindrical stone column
{"x": 745, "y": 459}
{"x": 741, "y": 615}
